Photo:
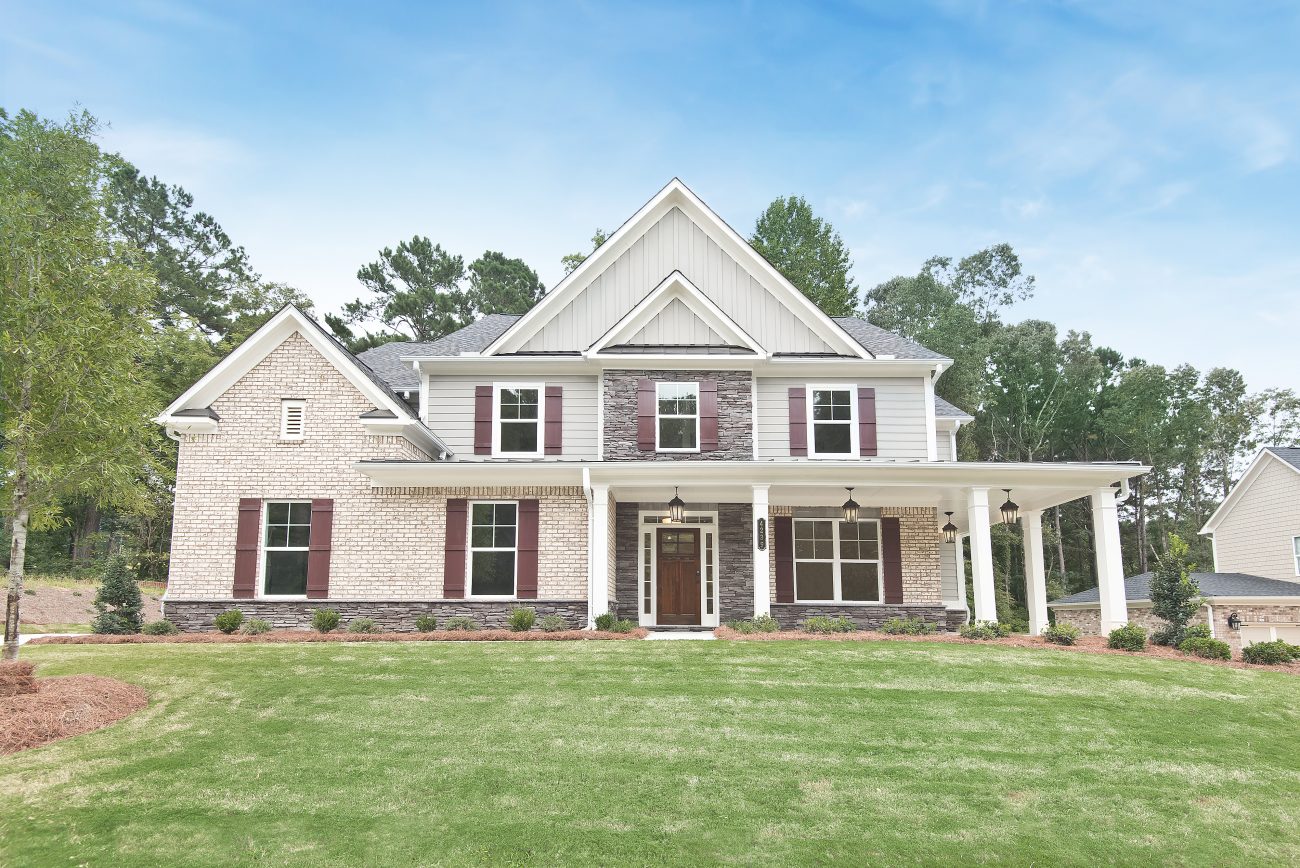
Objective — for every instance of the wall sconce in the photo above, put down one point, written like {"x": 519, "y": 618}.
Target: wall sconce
{"x": 1234, "y": 621}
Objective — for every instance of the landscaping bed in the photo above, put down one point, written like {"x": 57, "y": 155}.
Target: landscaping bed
{"x": 282, "y": 636}
{"x": 37, "y": 711}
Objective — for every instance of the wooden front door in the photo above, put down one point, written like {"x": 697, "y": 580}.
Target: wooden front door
{"x": 677, "y": 555}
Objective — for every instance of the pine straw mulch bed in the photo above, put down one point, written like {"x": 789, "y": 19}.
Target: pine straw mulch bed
{"x": 37, "y": 711}
{"x": 282, "y": 636}
{"x": 1086, "y": 644}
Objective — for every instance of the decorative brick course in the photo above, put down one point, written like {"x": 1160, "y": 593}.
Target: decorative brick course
{"x": 735, "y": 415}
{"x": 195, "y": 616}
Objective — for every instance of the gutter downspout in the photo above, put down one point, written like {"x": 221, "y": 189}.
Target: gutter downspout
{"x": 1209, "y": 610}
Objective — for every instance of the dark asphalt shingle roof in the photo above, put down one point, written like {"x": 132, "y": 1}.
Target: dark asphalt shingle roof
{"x": 943, "y": 408}
{"x": 884, "y": 343}
{"x": 1211, "y": 584}
{"x": 385, "y": 359}
{"x": 1289, "y": 454}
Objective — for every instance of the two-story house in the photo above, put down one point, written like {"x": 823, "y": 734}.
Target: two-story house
{"x": 674, "y": 433}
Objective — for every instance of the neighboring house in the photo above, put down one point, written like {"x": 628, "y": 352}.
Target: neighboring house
{"x": 669, "y": 435}
{"x": 1254, "y": 593}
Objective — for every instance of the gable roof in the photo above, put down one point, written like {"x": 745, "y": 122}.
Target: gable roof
{"x": 676, "y": 289}
{"x": 1286, "y": 456}
{"x": 1138, "y": 588}
{"x": 944, "y": 410}
{"x": 386, "y": 359}
{"x": 880, "y": 342}
{"x": 1289, "y": 454}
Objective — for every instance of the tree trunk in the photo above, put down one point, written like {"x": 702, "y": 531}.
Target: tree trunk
{"x": 1142, "y": 525}
{"x": 17, "y": 554}
{"x": 83, "y": 537}
{"x": 1060, "y": 542}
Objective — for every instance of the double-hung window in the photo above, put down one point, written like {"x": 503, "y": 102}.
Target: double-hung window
{"x": 832, "y": 417}
{"x": 492, "y": 549}
{"x": 837, "y": 561}
{"x": 518, "y": 419}
{"x": 288, "y": 538}
{"x": 677, "y": 417}
{"x": 1295, "y": 547}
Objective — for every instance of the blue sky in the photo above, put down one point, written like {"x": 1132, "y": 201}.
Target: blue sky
{"x": 1142, "y": 158}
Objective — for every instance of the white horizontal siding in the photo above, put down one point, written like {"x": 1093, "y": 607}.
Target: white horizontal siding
{"x": 949, "y": 585}
{"x": 1256, "y": 535}
{"x": 451, "y": 414}
{"x": 900, "y": 415}
{"x": 943, "y": 446}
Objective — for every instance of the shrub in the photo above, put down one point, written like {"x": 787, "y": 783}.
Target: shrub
{"x": 159, "y": 628}
{"x": 1130, "y": 637}
{"x": 255, "y": 627}
{"x": 743, "y": 626}
{"x": 605, "y": 621}
{"x": 983, "y": 630}
{"x": 907, "y": 627}
{"x": 1210, "y": 649}
{"x": 112, "y": 623}
{"x": 1171, "y": 635}
{"x": 1061, "y": 634}
{"x": 522, "y": 619}
{"x": 1175, "y": 596}
{"x": 757, "y": 624}
{"x": 1270, "y": 653}
{"x": 363, "y": 625}
{"x": 324, "y": 620}
{"x": 460, "y": 622}
{"x": 553, "y": 624}
{"x": 1198, "y": 631}
{"x": 228, "y": 622}
{"x": 119, "y": 595}
{"x": 823, "y": 624}
{"x": 426, "y": 624}
{"x": 623, "y": 625}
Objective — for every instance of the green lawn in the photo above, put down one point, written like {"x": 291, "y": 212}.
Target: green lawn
{"x": 662, "y": 752}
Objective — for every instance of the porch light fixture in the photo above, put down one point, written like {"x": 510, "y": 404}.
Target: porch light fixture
{"x": 1010, "y": 511}
{"x": 676, "y": 508}
{"x": 850, "y": 507}
{"x": 949, "y": 530}
{"x": 1234, "y": 621}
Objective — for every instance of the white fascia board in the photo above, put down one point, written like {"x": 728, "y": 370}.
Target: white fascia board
{"x": 411, "y": 430}
{"x": 1238, "y": 491}
{"x": 674, "y": 195}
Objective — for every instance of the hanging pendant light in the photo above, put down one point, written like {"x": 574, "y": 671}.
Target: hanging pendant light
{"x": 1010, "y": 512}
{"x": 676, "y": 508}
{"x": 949, "y": 530}
{"x": 850, "y": 506}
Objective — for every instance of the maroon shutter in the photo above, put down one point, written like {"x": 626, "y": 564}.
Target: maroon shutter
{"x": 453, "y": 552}
{"x": 645, "y": 415}
{"x": 784, "y": 527}
{"x": 708, "y": 415}
{"x": 891, "y": 559}
{"x": 866, "y": 421}
{"x": 246, "y": 546}
{"x": 482, "y": 420}
{"x": 554, "y": 420}
{"x": 526, "y": 555}
{"x": 798, "y": 420}
{"x": 318, "y": 554}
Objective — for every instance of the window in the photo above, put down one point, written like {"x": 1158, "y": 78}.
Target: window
{"x": 288, "y": 536}
{"x": 837, "y": 561}
{"x": 492, "y": 549}
{"x": 291, "y": 419}
{"x": 677, "y": 423}
{"x": 519, "y": 419}
{"x": 1295, "y": 545}
{"x": 832, "y": 415}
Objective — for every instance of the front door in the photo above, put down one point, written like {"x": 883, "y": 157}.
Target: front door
{"x": 678, "y": 559}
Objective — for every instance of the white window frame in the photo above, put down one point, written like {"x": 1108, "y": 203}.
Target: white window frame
{"x": 287, "y": 404}
{"x": 470, "y": 548}
{"x": 263, "y": 548}
{"x": 852, "y": 389}
{"x": 836, "y": 563}
{"x": 1295, "y": 550}
{"x": 497, "y": 388}
{"x": 696, "y": 387}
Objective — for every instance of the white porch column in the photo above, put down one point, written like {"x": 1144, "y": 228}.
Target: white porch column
{"x": 1031, "y": 525}
{"x": 598, "y": 586}
{"x": 762, "y": 591}
{"x": 1110, "y": 565}
{"x": 981, "y": 554}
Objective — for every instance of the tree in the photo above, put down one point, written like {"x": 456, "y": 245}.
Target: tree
{"x": 1175, "y": 596}
{"x": 74, "y": 328}
{"x": 501, "y": 285}
{"x": 118, "y": 599}
{"x": 359, "y": 343}
{"x": 416, "y": 289}
{"x": 573, "y": 260}
{"x": 809, "y": 252}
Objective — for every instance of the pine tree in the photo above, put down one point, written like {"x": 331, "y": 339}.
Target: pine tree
{"x": 1175, "y": 596}
{"x": 118, "y": 599}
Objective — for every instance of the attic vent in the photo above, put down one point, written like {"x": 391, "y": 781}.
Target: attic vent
{"x": 291, "y": 417}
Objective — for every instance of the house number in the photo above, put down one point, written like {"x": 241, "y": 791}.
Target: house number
{"x": 762, "y": 534}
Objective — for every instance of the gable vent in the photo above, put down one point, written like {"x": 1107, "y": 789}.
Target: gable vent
{"x": 291, "y": 419}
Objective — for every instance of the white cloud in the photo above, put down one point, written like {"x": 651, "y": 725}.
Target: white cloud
{"x": 177, "y": 155}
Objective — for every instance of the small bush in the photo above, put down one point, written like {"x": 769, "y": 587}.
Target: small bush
{"x": 119, "y": 595}
{"x": 460, "y": 622}
{"x": 907, "y": 627}
{"x": 1210, "y": 649}
{"x": 228, "y": 622}
{"x": 1061, "y": 634}
{"x": 983, "y": 630}
{"x": 522, "y": 619}
{"x": 823, "y": 624}
{"x": 426, "y": 624}
{"x": 744, "y": 626}
{"x": 324, "y": 620}
{"x": 1270, "y": 653}
{"x": 605, "y": 622}
{"x": 112, "y": 623}
{"x": 757, "y": 624}
{"x": 553, "y": 624}
{"x": 255, "y": 627}
{"x": 1197, "y": 631}
{"x": 159, "y": 628}
{"x": 1130, "y": 637}
{"x": 363, "y": 625}
{"x": 1171, "y": 635}
{"x": 622, "y": 625}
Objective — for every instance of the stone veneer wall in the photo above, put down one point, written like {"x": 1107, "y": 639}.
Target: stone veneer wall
{"x": 392, "y": 616}
{"x": 791, "y": 615}
{"x": 627, "y": 590}
{"x": 735, "y": 415}
{"x": 1089, "y": 620}
{"x": 735, "y": 561}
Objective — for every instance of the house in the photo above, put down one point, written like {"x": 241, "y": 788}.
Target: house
{"x": 1253, "y": 595}
{"x": 674, "y": 433}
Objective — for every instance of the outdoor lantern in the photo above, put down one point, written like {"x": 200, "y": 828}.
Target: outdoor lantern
{"x": 949, "y": 530}
{"x": 850, "y": 506}
{"x": 676, "y": 508}
{"x": 1010, "y": 512}
{"x": 1234, "y": 621}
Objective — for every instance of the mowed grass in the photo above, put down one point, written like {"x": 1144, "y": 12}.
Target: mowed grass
{"x": 662, "y": 752}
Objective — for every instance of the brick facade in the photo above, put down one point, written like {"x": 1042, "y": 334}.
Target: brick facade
{"x": 1088, "y": 620}
{"x": 735, "y": 415}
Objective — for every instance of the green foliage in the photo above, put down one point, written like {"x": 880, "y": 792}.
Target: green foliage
{"x": 907, "y": 627}
{"x": 255, "y": 627}
{"x": 113, "y": 623}
{"x": 415, "y": 289}
{"x": 1272, "y": 653}
{"x": 160, "y": 628}
{"x": 1130, "y": 637}
{"x": 573, "y": 260}
{"x": 825, "y": 624}
{"x": 460, "y": 622}
{"x": 1175, "y": 596}
{"x": 622, "y": 625}
{"x": 1061, "y": 634}
{"x": 808, "y": 252}
{"x": 1203, "y": 646}
{"x": 522, "y": 619}
{"x": 983, "y": 630}
{"x": 228, "y": 622}
{"x": 363, "y": 625}
{"x": 119, "y": 593}
{"x": 324, "y": 620}
{"x": 1171, "y": 636}
{"x": 498, "y": 284}
{"x": 757, "y": 624}
{"x": 553, "y": 624}
{"x": 605, "y": 621}
{"x": 426, "y": 624}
